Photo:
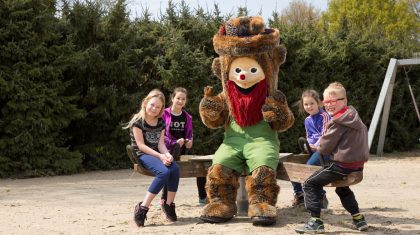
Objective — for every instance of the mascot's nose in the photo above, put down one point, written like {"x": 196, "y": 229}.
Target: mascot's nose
{"x": 242, "y": 77}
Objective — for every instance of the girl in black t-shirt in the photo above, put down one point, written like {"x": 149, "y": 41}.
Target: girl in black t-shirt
{"x": 147, "y": 138}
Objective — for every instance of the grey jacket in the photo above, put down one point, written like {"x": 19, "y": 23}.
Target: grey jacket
{"x": 346, "y": 139}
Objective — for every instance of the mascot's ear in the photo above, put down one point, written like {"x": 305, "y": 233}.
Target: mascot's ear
{"x": 280, "y": 54}
{"x": 216, "y": 67}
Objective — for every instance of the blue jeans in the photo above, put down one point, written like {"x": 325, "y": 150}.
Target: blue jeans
{"x": 313, "y": 161}
{"x": 168, "y": 175}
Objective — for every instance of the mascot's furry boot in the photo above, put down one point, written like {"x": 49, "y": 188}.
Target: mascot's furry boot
{"x": 221, "y": 187}
{"x": 262, "y": 191}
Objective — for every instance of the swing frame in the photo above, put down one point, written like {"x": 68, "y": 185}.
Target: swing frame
{"x": 384, "y": 101}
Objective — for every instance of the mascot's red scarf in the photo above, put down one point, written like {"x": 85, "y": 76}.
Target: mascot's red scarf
{"x": 247, "y": 108}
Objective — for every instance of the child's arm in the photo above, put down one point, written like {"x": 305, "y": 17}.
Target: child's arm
{"x": 138, "y": 135}
{"x": 329, "y": 142}
{"x": 167, "y": 157}
{"x": 189, "y": 132}
{"x": 311, "y": 135}
{"x": 188, "y": 143}
{"x": 325, "y": 122}
{"x": 169, "y": 139}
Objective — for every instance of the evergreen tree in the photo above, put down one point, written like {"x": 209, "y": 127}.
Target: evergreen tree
{"x": 104, "y": 76}
{"x": 34, "y": 109}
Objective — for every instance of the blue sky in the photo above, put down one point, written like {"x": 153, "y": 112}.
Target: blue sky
{"x": 226, "y": 6}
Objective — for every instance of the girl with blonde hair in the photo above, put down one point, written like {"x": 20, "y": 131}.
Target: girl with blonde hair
{"x": 147, "y": 132}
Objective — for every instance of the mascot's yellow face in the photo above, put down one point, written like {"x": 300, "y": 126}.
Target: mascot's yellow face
{"x": 245, "y": 72}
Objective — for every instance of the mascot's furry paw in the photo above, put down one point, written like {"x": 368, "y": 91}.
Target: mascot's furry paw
{"x": 277, "y": 112}
{"x": 213, "y": 110}
{"x": 272, "y": 109}
{"x": 218, "y": 212}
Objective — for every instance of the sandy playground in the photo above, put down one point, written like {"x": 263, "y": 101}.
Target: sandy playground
{"x": 103, "y": 202}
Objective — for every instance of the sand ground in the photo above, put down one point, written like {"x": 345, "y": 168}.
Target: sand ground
{"x": 103, "y": 202}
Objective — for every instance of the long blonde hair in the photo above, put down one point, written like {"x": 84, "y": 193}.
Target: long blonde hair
{"x": 142, "y": 113}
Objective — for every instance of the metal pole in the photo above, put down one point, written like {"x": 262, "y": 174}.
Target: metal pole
{"x": 242, "y": 198}
{"x": 385, "y": 116}
{"x": 390, "y": 73}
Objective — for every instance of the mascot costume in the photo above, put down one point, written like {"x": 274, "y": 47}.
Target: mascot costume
{"x": 252, "y": 111}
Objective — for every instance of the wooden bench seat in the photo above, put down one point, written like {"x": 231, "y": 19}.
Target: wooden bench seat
{"x": 291, "y": 168}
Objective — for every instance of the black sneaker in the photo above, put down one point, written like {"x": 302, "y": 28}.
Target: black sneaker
{"x": 140, "y": 214}
{"x": 360, "y": 223}
{"x": 176, "y": 151}
{"x": 313, "y": 226}
{"x": 170, "y": 212}
{"x": 298, "y": 200}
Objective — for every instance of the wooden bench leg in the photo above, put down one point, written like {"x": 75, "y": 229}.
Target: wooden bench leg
{"x": 242, "y": 198}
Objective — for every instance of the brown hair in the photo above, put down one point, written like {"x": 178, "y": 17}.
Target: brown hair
{"x": 308, "y": 93}
{"x": 178, "y": 89}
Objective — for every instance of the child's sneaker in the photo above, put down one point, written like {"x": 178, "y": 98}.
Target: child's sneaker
{"x": 140, "y": 214}
{"x": 298, "y": 200}
{"x": 170, "y": 212}
{"x": 360, "y": 222}
{"x": 324, "y": 202}
{"x": 314, "y": 225}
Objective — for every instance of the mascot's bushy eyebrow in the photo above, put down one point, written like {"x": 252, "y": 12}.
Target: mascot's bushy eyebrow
{"x": 252, "y": 110}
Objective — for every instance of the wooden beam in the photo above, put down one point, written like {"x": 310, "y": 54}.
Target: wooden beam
{"x": 299, "y": 173}
{"x": 289, "y": 169}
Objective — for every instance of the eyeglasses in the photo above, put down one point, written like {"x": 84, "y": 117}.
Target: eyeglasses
{"x": 331, "y": 102}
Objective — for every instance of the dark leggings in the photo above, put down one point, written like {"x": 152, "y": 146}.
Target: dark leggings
{"x": 201, "y": 183}
{"x": 313, "y": 189}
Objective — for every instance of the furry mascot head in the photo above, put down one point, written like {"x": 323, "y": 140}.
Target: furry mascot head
{"x": 252, "y": 111}
{"x": 250, "y": 56}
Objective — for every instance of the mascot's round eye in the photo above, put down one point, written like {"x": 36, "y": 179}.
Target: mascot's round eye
{"x": 254, "y": 70}
{"x": 238, "y": 70}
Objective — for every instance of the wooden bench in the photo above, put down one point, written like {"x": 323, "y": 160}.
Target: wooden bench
{"x": 291, "y": 167}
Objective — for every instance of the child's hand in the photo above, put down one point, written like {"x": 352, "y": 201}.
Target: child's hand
{"x": 166, "y": 160}
{"x": 188, "y": 143}
{"x": 181, "y": 142}
{"x": 169, "y": 157}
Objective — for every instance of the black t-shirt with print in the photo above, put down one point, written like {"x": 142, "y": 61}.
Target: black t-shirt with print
{"x": 177, "y": 126}
{"x": 151, "y": 134}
